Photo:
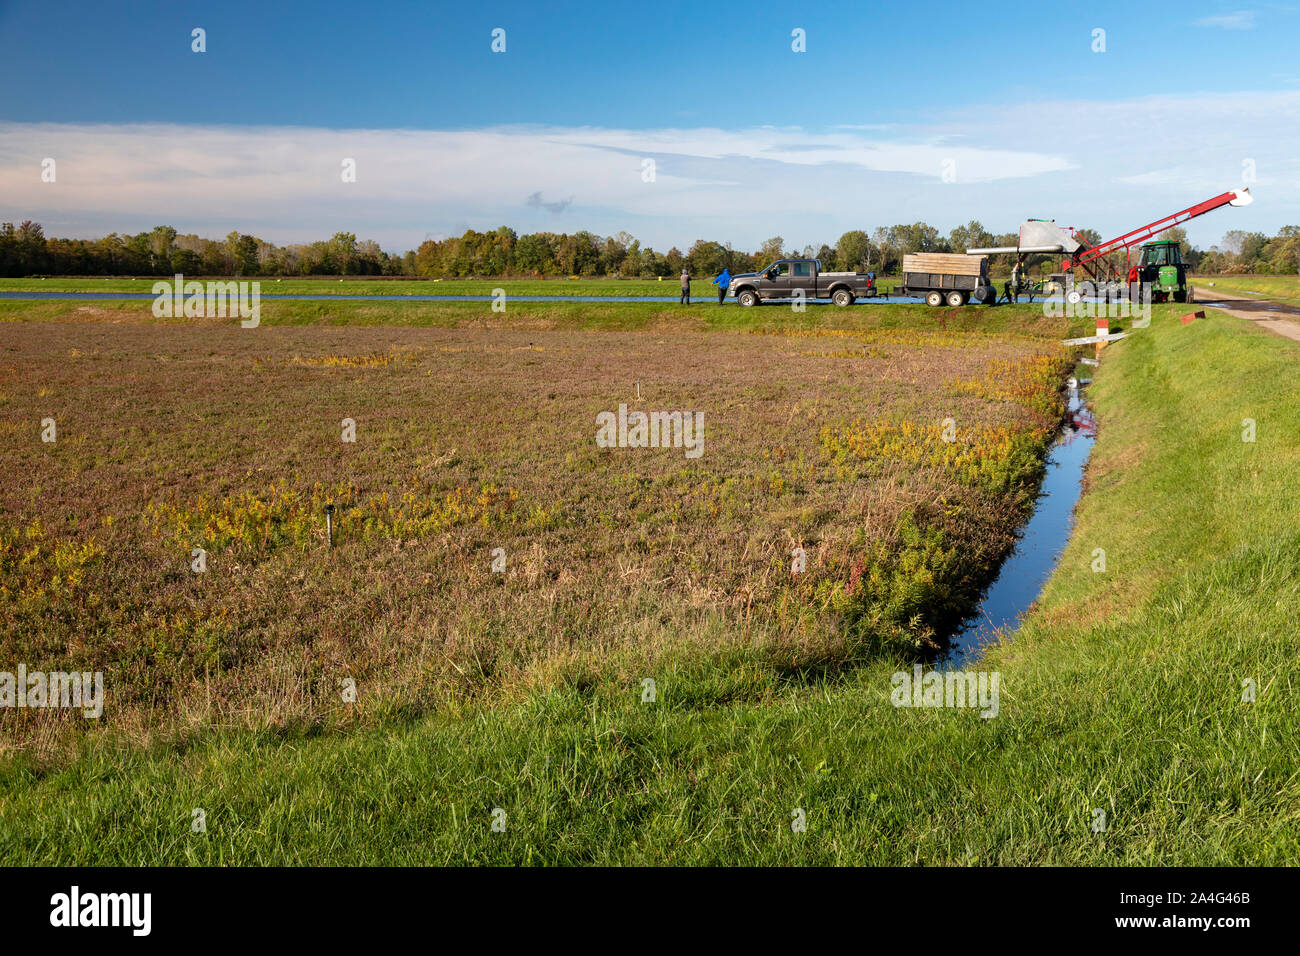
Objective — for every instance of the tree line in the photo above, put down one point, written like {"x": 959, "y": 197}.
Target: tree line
{"x": 25, "y": 250}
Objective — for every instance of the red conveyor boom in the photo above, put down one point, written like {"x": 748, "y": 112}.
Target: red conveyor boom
{"x": 1234, "y": 197}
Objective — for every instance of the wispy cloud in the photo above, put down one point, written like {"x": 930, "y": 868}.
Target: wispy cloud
{"x": 1107, "y": 165}
{"x": 1240, "y": 20}
{"x": 557, "y": 207}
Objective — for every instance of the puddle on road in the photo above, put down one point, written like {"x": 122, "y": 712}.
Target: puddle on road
{"x": 1024, "y": 573}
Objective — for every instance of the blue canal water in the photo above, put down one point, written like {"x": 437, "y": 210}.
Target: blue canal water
{"x": 1024, "y": 573}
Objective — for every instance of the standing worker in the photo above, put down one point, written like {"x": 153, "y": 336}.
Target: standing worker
{"x": 1015, "y": 279}
{"x": 723, "y": 281}
{"x": 1132, "y": 282}
{"x": 685, "y": 297}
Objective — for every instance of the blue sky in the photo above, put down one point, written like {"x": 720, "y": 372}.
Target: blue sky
{"x": 750, "y": 139}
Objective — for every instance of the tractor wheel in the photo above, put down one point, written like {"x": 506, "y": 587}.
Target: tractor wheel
{"x": 956, "y": 299}
{"x": 747, "y": 298}
{"x": 842, "y": 297}
{"x": 1180, "y": 296}
{"x": 934, "y": 300}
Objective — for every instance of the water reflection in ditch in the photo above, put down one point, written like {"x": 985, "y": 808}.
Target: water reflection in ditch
{"x": 1024, "y": 573}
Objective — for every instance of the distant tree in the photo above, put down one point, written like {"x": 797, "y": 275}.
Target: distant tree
{"x": 30, "y": 247}
{"x": 343, "y": 252}
{"x": 213, "y": 260}
{"x": 1179, "y": 235}
{"x": 1254, "y": 252}
{"x": 9, "y": 265}
{"x": 883, "y": 242}
{"x": 853, "y": 251}
{"x": 1232, "y": 242}
{"x": 707, "y": 258}
{"x": 973, "y": 235}
{"x": 161, "y": 240}
{"x": 185, "y": 262}
{"x": 246, "y": 263}
{"x": 535, "y": 254}
{"x": 771, "y": 250}
{"x": 1285, "y": 251}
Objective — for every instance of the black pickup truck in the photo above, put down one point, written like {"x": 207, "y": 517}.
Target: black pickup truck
{"x": 783, "y": 278}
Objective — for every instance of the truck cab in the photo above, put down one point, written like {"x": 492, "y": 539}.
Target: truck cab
{"x": 787, "y": 278}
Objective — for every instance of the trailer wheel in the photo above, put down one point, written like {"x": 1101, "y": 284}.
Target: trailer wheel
{"x": 956, "y": 299}
{"x": 747, "y": 298}
{"x": 1073, "y": 297}
{"x": 934, "y": 300}
{"x": 842, "y": 297}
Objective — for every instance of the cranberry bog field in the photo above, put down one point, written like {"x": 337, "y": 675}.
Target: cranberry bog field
{"x": 646, "y": 679}
{"x": 848, "y": 482}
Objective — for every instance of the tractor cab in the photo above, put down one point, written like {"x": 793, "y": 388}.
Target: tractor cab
{"x": 1161, "y": 265}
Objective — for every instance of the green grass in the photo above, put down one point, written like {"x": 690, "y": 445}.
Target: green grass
{"x": 1285, "y": 289}
{"x": 1122, "y": 692}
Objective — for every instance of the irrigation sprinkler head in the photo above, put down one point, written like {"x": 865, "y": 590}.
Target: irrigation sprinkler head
{"x": 329, "y": 524}
{"x": 1243, "y": 197}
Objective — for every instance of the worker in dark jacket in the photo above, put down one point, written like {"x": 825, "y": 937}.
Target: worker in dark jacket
{"x": 723, "y": 282}
{"x": 685, "y": 297}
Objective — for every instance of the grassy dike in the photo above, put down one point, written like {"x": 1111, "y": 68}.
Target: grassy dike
{"x": 1284, "y": 289}
{"x": 1122, "y": 693}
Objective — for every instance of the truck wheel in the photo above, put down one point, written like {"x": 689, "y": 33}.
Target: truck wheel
{"x": 842, "y": 297}
{"x": 747, "y": 298}
{"x": 934, "y": 300}
{"x": 956, "y": 299}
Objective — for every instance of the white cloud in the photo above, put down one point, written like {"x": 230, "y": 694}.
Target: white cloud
{"x": 1109, "y": 166}
{"x": 1240, "y": 20}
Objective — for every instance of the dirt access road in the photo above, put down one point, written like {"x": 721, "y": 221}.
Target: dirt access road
{"x": 1282, "y": 319}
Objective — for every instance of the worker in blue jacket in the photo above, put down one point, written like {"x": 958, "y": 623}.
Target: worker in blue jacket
{"x": 723, "y": 282}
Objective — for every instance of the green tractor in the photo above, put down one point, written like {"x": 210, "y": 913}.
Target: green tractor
{"x": 1162, "y": 266}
